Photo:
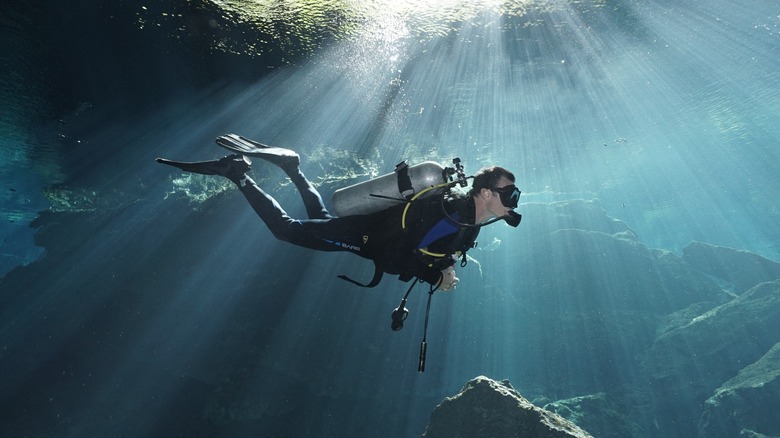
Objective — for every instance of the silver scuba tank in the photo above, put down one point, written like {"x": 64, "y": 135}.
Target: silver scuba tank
{"x": 388, "y": 190}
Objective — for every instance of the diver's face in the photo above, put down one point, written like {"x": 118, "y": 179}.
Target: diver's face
{"x": 493, "y": 203}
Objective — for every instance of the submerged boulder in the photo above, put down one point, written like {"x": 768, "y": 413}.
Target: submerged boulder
{"x": 746, "y": 402}
{"x": 487, "y": 408}
{"x": 599, "y": 414}
{"x": 739, "y": 270}
{"x": 586, "y": 290}
{"x": 721, "y": 340}
{"x": 688, "y": 363}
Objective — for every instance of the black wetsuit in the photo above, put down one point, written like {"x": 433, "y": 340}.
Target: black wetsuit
{"x": 420, "y": 250}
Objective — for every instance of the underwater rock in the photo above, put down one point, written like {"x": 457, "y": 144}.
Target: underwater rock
{"x": 747, "y": 433}
{"x": 685, "y": 286}
{"x": 598, "y": 414}
{"x": 742, "y": 269}
{"x": 579, "y": 250}
{"x": 688, "y": 363}
{"x": 602, "y": 294}
{"x": 746, "y": 402}
{"x": 717, "y": 338}
{"x": 487, "y": 408}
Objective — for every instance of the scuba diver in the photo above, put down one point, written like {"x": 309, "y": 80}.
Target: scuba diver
{"x": 419, "y": 236}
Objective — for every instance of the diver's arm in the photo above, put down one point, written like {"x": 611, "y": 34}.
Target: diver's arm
{"x": 444, "y": 279}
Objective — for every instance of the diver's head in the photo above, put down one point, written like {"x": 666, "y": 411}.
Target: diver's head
{"x": 494, "y": 193}
{"x": 488, "y": 178}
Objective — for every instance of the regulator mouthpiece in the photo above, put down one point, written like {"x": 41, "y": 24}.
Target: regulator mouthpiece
{"x": 513, "y": 218}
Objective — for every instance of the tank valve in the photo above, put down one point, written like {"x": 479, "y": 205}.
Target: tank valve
{"x": 458, "y": 172}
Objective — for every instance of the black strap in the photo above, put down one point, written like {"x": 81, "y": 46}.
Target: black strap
{"x": 374, "y": 281}
{"x": 463, "y": 241}
{"x": 404, "y": 182}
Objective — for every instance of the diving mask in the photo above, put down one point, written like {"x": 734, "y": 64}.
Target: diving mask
{"x": 509, "y": 195}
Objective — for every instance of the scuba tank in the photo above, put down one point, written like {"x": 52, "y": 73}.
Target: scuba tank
{"x": 388, "y": 190}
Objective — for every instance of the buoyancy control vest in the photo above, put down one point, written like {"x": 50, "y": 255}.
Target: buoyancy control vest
{"x": 441, "y": 238}
{"x": 411, "y": 217}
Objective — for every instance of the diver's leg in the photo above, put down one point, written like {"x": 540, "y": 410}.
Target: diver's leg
{"x": 290, "y": 163}
{"x": 234, "y": 167}
{"x": 322, "y": 233}
{"x": 266, "y": 207}
{"x": 287, "y": 160}
{"x": 315, "y": 207}
{"x": 325, "y": 234}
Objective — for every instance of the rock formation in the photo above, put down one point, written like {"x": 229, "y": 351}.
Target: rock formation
{"x": 747, "y": 402}
{"x": 597, "y": 412}
{"x": 487, "y": 408}
{"x": 720, "y": 344}
{"x": 739, "y": 270}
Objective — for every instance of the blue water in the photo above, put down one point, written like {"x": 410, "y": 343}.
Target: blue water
{"x": 145, "y": 302}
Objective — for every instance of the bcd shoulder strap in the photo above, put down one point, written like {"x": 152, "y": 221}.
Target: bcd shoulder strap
{"x": 374, "y": 281}
{"x": 461, "y": 241}
{"x": 405, "y": 187}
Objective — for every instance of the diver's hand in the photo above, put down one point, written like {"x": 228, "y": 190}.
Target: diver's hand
{"x": 448, "y": 279}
